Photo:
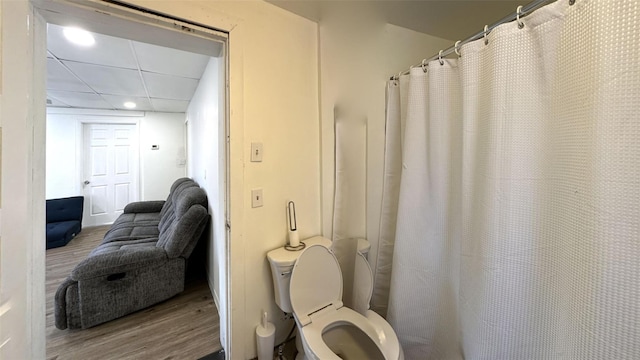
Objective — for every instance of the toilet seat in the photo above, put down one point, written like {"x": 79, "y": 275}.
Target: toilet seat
{"x": 316, "y": 299}
{"x": 312, "y": 339}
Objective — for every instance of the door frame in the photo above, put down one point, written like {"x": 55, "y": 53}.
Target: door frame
{"x": 23, "y": 117}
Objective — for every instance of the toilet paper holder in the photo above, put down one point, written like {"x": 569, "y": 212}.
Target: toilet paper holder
{"x": 294, "y": 240}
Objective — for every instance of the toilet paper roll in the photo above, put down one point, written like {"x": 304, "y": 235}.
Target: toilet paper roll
{"x": 294, "y": 239}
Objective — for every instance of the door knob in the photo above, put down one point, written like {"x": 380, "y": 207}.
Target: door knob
{"x": 87, "y": 182}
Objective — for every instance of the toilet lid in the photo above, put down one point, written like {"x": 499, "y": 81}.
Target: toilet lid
{"x": 316, "y": 281}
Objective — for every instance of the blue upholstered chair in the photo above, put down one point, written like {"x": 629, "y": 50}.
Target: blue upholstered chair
{"x": 64, "y": 220}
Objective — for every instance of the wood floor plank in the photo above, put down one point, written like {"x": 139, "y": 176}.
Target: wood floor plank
{"x": 186, "y": 326}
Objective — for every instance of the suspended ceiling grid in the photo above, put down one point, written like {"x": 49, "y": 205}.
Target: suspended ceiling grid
{"x": 114, "y": 71}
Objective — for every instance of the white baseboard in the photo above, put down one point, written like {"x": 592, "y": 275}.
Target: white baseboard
{"x": 216, "y": 300}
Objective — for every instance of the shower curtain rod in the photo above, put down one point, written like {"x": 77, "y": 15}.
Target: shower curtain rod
{"x": 525, "y": 10}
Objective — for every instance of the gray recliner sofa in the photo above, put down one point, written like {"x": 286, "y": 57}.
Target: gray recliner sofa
{"x": 140, "y": 262}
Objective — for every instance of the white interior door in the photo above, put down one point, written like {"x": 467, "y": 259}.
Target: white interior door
{"x": 110, "y": 171}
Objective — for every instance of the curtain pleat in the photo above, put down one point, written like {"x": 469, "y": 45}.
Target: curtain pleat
{"x": 391, "y": 188}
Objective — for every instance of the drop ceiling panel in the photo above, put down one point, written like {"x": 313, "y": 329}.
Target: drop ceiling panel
{"x": 59, "y": 78}
{"x": 109, "y": 80}
{"x": 107, "y": 50}
{"x": 117, "y": 101}
{"x": 114, "y": 71}
{"x": 163, "y": 60}
{"x": 169, "y": 87}
{"x": 167, "y": 105}
{"x": 81, "y": 100}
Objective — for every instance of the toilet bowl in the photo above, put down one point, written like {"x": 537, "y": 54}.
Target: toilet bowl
{"x": 328, "y": 330}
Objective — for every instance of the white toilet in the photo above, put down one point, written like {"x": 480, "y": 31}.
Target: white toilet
{"x": 309, "y": 284}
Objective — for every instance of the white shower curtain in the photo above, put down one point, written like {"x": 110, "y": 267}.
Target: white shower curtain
{"x": 518, "y": 210}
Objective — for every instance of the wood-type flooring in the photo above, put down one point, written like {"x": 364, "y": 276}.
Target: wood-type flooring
{"x": 186, "y": 326}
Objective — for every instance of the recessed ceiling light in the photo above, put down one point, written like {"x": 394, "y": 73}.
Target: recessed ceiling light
{"x": 79, "y": 36}
{"x": 130, "y": 105}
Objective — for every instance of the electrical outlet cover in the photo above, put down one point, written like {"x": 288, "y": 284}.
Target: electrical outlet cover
{"x": 256, "y": 198}
{"x": 256, "y": 152}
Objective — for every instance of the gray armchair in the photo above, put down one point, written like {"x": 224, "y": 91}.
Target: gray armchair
{"x": 123, "y": 275}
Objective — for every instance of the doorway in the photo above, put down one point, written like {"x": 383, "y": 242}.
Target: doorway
{"x": 101, "y": 151}
{"x": 22, "y": 302}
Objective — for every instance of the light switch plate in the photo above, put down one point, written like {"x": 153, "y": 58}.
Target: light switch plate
{"x": 256, "y": 198}
{"x": 256, "y": 152}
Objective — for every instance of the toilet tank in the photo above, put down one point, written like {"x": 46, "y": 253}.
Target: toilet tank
{"x": 282, "y": 262}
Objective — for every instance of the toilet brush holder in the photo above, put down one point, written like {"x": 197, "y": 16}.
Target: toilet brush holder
{"x": 265, "y": 338}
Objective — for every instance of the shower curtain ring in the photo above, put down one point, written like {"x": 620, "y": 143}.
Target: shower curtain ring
{"x": 423, "y": 64}
{"x": 456, "y": 48}
{"x": 486, "y": 31}
{"x": 518, "y": 14}
{"x": 440, "y": 58}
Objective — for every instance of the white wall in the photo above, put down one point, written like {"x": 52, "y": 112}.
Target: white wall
{"x": 356, "y": 60}
{"x": 282, "y": 112}
{"x": 158, "y": 168}
{"x": 63, "y": 159}
{"x": 206, "y": 155}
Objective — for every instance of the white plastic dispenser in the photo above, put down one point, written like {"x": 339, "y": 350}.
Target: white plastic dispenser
{"x": 265, "y": 338}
